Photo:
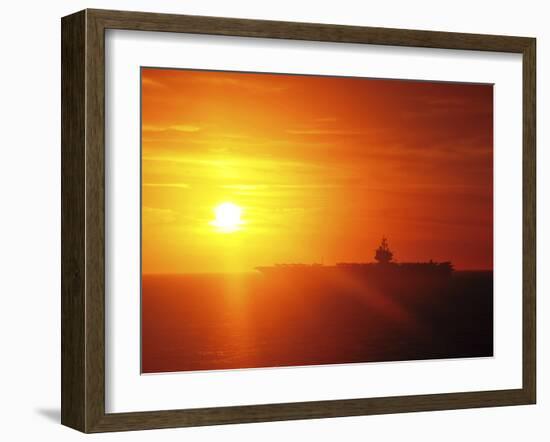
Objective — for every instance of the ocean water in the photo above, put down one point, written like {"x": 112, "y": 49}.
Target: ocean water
{"x": 215, "y": 321}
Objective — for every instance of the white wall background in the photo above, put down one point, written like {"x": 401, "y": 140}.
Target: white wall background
{"x": 30, "y": 217}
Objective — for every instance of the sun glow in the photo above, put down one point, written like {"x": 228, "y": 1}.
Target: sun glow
{"x": 227, "y": 217}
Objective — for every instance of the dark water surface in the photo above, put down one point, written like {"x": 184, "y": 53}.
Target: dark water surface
{"x": 209, "y": 322}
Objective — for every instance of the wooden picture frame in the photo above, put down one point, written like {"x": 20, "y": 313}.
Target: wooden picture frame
{"x": 83, "y": 220}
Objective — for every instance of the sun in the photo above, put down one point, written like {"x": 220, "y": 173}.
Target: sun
{"x": 227, "y": 217}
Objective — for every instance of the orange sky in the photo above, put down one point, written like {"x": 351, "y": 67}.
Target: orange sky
{"x": 322, "y": 167}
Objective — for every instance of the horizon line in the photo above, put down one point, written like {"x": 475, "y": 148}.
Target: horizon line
{"x": 254, "y": 271}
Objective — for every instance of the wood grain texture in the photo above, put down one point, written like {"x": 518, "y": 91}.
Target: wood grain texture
{"x": 145, "y": 21}
{"x": 73, "y": 129}
{"x": 95, "y": 222}
{"x": 83, "y": 220}
{"x": 529, "y": 220}
{"x": 308, "y": 410}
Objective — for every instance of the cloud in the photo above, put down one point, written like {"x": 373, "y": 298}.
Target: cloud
{"x": 146, "y": 81}
{"x": 185, "y": 128}
{"x": 326, "y": 119}
{"x": 236, "y": 163}
{"x": 279, "y": 186}
{"x": 154, "y": 215}
{"x": 244, "y": 82}
{"x": 151, "y": 128}
{"x": 175, "y": 127}
{"x": 174, "y": 185}
{"x": 323, "y": 132}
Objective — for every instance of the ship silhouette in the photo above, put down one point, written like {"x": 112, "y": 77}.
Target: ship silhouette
{"x": 384, "y": 272}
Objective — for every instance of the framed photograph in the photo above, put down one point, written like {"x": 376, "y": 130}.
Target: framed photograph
{"x": 268, "y": 220}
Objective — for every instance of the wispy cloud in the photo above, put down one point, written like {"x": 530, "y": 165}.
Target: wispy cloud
{"x": 146, "y": 81}
{"x": 151, "y": 128}
{"x": 279, "y": 186}
{"x": 235, "y": 163}
{"x": 185, "y": 128}
{"x": 314, "y": 131}
{"x": 174, "y": 127}
{"x": 175, "y": 185}
{"x": 155, "y": 215}
{"x": 244, "y": 83}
